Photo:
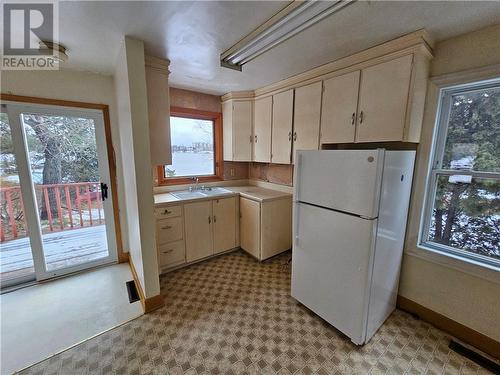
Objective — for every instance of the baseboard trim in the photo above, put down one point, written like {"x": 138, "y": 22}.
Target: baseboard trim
{"x": 148, "y": 304}
{"x": 153, "y": 303}
{"x": 461, "y": 332}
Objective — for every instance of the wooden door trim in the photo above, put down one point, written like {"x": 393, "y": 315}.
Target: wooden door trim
{"x": 104, "y": 108}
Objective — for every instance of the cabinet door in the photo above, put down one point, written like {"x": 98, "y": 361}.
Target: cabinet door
{"x": 338, "y": 112}
{"x": 382, "y": 100}
{"x": 242, "y": 131}
{"x": 250, "y": 226}
{"x": 307, "y": 114}
{"x": 198, "y": 225}
{"x": 224, "y": 215}
{"x": 282, "y": 127}
{"x": 159, "y": 116}
{"x": 227, "y": 130}
{"x": 262, "y": 129}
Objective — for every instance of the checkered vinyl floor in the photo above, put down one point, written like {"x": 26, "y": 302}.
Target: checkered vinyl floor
{"x": 233, "y": 315}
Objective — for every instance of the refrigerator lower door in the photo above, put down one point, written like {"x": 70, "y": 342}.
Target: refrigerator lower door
{"x": 343, "y": 180}
{"x": 331, "y": 266}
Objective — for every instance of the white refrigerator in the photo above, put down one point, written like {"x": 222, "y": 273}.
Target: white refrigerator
{"x": 350, "y": 211}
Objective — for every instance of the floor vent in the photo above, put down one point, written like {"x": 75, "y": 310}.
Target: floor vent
{"x": 133, "y": 295}
{"x": 475, "y": 357}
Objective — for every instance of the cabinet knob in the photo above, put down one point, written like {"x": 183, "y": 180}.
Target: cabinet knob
{"x": 209, "y": 220}
{"x": 361, "y": 117}
{"x": 167, "y": 227}
{"x": 295, "y": 136}
{"x": 353, "y": 118}
{"x": 215, "y": 219}
{"x": 255, "y": 139}
{"x": 289, "y": 136}
{"x": 167, "y": 212}
{"x": 251, "y": 138}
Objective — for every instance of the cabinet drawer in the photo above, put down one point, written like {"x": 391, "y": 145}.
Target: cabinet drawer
{"x": 171, "y": 253}
{"x": 170, "y": 211}
{"x": 169, "y": 230}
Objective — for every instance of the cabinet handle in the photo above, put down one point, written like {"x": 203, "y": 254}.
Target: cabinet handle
{"x": 289, "y": 136}
{"x": 209, "y": 220}
{"x": 353, "y": 118}
{"x": 361, "y": 117}
{"x": 251, "y": 138}
{"x": 167, "y": 212}
{"x": 255, "y": 139}
{"x": 167, "y": 227}
{"x": 167, "y": 251}
{"x": 295, "y": 136}
{"x": 215, "y": 219}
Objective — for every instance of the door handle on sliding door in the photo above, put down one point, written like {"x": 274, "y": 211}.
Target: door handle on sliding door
{"x": 104, "y": 191}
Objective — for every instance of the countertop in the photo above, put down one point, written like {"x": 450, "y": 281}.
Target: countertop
{"x": 251, "y": 192}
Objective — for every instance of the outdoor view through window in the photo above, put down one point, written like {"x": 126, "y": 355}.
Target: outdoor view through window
{"x": 466, "y": 178}
{"x": 192, "y": 147}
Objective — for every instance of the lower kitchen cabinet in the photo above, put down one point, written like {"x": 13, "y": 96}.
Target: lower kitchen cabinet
{"x": 224, "y": 228}
{"x": 265, "y": 227}
{"x": 198, "y": 224}
{"x": 210, "y": 227}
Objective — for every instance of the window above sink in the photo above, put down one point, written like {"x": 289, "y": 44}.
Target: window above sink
{"x": 196, "y": 138}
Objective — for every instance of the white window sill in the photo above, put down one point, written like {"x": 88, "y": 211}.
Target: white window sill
{"x": 462, "y": 264}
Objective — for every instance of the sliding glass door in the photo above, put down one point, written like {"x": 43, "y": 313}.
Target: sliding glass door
{"x": 63, "y": 183}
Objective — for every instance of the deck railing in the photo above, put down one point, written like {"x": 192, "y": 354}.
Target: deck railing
{"x": 61, "y": 207}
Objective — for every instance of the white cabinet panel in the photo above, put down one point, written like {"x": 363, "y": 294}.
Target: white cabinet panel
{"x": 224, "y": 215}
{"x": 198, "y": 224}
{"x": 338, "y": 112}
{"x": 262, "y": 129}
{"x": 306, "y": 119}
{"x": 242, "y": 131}
{"x": 250, "y": 226}
{"x": 282, "y": 127}
{"x": 383, "y": 100}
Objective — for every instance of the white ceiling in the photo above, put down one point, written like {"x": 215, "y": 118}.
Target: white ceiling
{"x": 193, "y": 34}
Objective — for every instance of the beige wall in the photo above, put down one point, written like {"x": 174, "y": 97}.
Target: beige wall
{"x": 130, "y": 79}
{"x": 466, "y": 293}
{"x": 72, "y": 86}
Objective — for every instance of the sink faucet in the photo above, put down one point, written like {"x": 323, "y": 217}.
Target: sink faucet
{"x": 196, "y": 180}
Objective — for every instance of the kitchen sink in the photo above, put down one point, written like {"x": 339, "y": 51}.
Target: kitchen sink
{"x": 201, "y": 193}
{"x": 186, "y": 194}
{"x": 215, "y": 191}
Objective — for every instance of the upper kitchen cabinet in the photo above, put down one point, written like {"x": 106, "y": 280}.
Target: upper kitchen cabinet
{"x": 383, "y": 99}
{"x": 306, "y": 118}
{"x": 158, "y": 110}
{"x": 237, "y": 118}
{"x": 262, "y": 126}
{"x": 340, "y": 104}
{"x": 379, "y": 103}
{"x": 282, "y": 120}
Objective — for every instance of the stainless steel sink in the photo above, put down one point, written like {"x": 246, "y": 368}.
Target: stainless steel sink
{"x": 186, "y": 194}
{"x": 215, "y": 191}
{"x": 200, "y": 193}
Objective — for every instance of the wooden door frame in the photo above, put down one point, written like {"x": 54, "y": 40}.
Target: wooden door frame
{"x": 104, "y": 108}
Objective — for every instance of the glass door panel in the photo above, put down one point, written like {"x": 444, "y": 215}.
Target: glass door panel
{"x": 64, "y": 166}
{"x": 16, "y": 260}
{"x": 64, "y": 169}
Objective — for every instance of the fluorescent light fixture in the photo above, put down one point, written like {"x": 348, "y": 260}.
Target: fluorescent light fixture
{"x": 291, "y": 20}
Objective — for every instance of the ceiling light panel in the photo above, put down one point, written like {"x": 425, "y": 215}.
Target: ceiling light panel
{"x": 291, "y": 20}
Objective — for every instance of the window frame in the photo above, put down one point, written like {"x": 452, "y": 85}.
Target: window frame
{"x": 435, "y": 169}
{"x": 197, "y": 114}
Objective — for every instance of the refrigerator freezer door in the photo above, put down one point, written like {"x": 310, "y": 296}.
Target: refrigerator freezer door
{"x": 331, "y": 266}
{"x": 343, "y": 180}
